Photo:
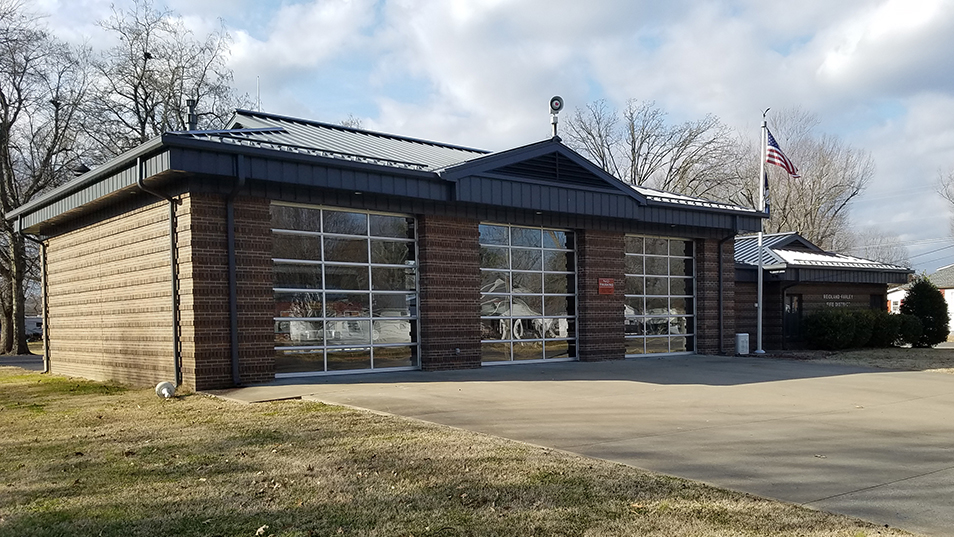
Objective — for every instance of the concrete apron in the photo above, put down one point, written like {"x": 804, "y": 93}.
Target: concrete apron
{"x": 874, "y": 444}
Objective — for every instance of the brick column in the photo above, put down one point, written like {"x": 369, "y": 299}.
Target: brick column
{"x": 206, "y": 349}
{"x": 707, "y": 296}
{"x": 600, "y": 323}
{"x": 449, "y": 292}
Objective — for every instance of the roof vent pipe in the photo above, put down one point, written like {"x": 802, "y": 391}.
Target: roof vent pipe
{"x": 193, "y": 118}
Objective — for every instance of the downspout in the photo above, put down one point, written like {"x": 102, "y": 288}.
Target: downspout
{"x": 43, "y": 295}
{"x": 233, "y": 284}
{"x": 721, "y": 298}
{"x": 174, "y": 262}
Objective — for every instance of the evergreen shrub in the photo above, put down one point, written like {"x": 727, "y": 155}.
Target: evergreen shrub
{"x": 926, "y": 302}
{"x": 830, "y": 329}
{"x": 886, "y": 329}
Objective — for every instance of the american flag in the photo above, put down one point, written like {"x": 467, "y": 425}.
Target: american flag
{"x": 774, "y": 155}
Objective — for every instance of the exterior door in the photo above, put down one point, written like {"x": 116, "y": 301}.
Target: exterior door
{"x": 793, "y": 317}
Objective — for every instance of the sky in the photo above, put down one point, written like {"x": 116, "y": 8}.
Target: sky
{"x": 879, "y": 74}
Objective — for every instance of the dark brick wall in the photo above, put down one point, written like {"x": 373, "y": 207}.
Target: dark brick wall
{"x": 815, "y": 296}
{"x": 600, "y": 254}
{"x": 205, "y": 298}
{"x": 707, "y": 297}
{"x": 449, "y": 292}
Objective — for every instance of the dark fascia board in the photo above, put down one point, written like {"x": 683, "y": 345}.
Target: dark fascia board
{"x": 787, "y": 273}
{"x": 112, "y": 166}
{"x": 488, "y": 163}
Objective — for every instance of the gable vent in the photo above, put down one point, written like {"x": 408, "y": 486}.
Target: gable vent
{"x": 553, "y": 167}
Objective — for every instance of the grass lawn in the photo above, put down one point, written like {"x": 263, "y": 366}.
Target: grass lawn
{"x": 937, "y": 360}
{"x": 83, "y": 458}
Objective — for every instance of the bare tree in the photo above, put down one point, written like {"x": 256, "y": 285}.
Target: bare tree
{"x": 876, "y": 244}
{"x": 352, "y": 122}
{"x": 641, "y": 148}
{"x": 42, "y": 83}
{"x": 817, "y": 204}
{"x": 144, "y": 82}
{"x": 945, "y": 187}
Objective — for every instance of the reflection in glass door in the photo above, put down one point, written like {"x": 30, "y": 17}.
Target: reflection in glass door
{"x": 345, "y": 290}
{"x": 527, "y": 294}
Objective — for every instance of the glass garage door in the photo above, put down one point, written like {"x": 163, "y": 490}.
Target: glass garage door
{"x": 527, "y": 294}
{"x": 660, "y": 296}
{"x": 345, "y": 290}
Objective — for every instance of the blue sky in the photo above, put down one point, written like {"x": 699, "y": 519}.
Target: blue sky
{"x": 878, "y": 73}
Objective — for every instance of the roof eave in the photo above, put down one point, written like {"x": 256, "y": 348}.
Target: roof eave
{"x": 113, "y": 165}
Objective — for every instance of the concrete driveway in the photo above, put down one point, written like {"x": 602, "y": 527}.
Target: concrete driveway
{"x": 874, "y": 444}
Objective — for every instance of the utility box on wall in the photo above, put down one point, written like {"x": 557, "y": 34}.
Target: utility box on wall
{"x": 742, "y": 344}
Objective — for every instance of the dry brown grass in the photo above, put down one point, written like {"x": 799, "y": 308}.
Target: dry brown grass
{"x": 84, "y": 458}
{"x": 938, "y": 360}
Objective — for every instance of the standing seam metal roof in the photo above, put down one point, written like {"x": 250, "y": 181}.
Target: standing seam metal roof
{"x": 269, "y": 129}
{"x": 775, "y": 253}
{"x": 272, "y": 131}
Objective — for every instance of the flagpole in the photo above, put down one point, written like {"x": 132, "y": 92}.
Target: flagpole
{"x": 758, "y": 306}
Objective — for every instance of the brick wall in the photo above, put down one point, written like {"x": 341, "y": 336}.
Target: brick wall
{"x": 110, "y": 299}
{"x": 449, "y": 292}
{"x": 600, "y": 254}
{"x": 815, "y": 296}
{"x": 747, "y": 314}
{"x": 707, "y": 297}
{"x": 206, "y": 345}
{"x": 110, "y": 296}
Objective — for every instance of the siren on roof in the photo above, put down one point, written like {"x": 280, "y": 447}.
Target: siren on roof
{"x": 556, "y": 104}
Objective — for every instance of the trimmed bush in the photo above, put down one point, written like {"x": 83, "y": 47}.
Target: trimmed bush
{"x": 926, "y": 302}
{"x": 886, "y": 329}
{"x": 864, "y": 327}
{"x": 911, "y": 330}
{"x": 830, "y": 329}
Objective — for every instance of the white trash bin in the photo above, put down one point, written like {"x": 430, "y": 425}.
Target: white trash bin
{"x": 742, "y": 344}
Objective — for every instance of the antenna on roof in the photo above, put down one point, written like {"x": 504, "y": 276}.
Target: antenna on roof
{"x": 258, "y": 93}
{"x": 556, "y": 104}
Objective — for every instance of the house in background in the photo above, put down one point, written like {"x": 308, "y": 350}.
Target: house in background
{"x": 799, "y": 278}
{"x": 942, "y": 278}
{"x": 896, "y": 294}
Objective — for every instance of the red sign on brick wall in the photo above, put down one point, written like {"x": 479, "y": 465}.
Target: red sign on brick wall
{"x": 606, "y": 286}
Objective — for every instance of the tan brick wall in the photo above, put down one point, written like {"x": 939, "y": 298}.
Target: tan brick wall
{"x": 110, "y": 305}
